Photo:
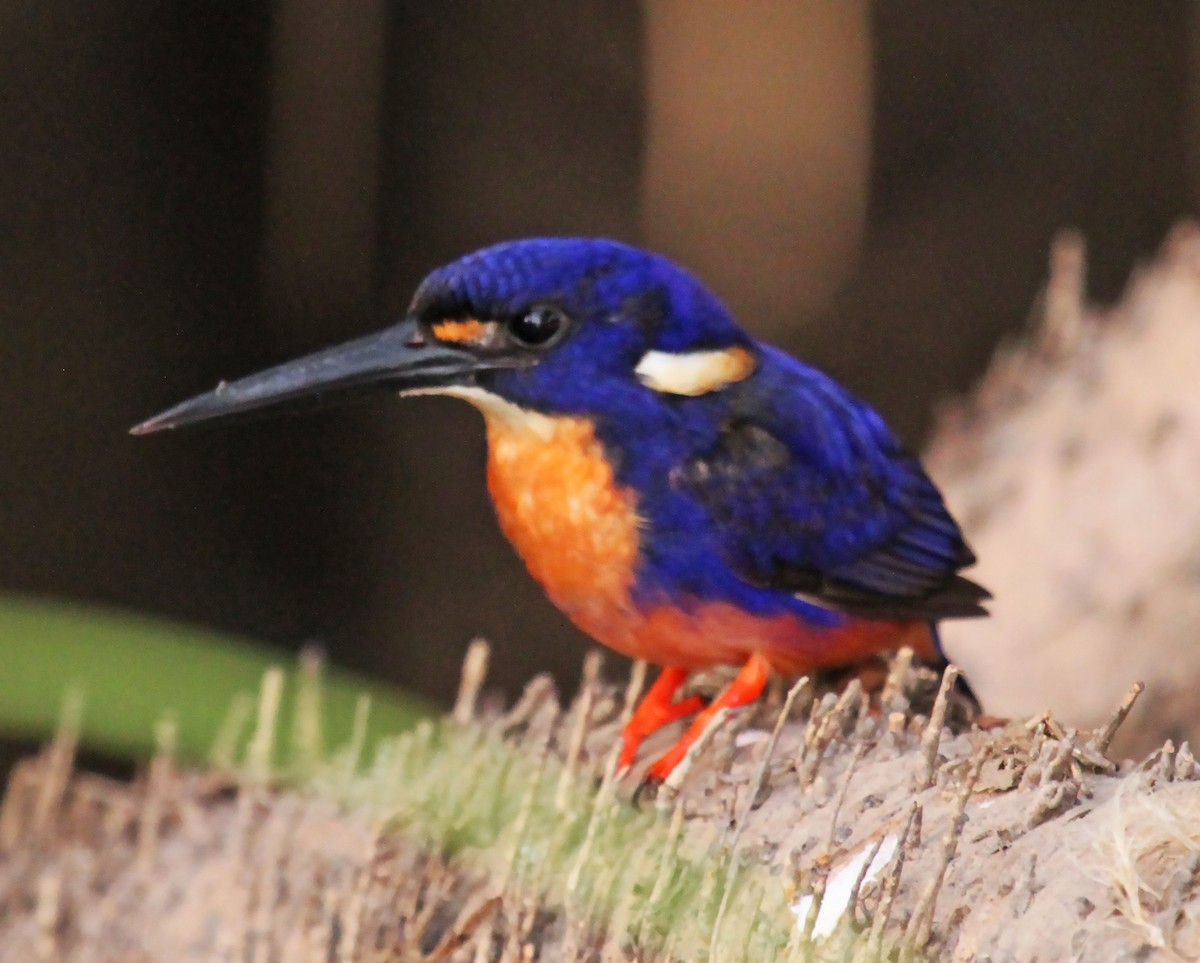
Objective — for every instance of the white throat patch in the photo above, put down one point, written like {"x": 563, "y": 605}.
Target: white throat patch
{"x": 496, "y": 408}
{"x": 694, "y": 372}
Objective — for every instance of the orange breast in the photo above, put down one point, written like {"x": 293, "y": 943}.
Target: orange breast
{"x": 559, "y": 505}
{"x": 577, "y": 530}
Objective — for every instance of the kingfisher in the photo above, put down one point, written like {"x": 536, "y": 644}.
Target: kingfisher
{"x": 684, "y": 493}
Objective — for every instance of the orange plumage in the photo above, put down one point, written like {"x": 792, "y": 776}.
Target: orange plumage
{"x": 557, "y": 502}
{"x": 467, "y": 331}
{"x": 577, "y": 530}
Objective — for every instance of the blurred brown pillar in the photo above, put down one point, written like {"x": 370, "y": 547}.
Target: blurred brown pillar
{"x": 757, "y": 146}
{"x": 1191, "y": 121}
{"x": 323, "y": 162}
{"x": 319, "y": 287}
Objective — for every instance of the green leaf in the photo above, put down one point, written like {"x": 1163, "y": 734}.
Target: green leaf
{"x": 132, "y": 671}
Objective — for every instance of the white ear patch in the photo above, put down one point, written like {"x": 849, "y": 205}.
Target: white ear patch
{"x": 694, "y": 372}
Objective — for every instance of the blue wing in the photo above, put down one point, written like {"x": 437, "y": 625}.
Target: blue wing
{"x": 812, "y": 494}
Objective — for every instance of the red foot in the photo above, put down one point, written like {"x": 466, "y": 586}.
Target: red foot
{"x": 743, "y": 690}
{"x": 657, "y": 710}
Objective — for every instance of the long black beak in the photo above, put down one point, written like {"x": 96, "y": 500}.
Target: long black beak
{"x": 398, "y": 358}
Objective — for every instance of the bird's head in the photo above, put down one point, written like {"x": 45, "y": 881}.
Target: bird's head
{"x": 558, "y": 326}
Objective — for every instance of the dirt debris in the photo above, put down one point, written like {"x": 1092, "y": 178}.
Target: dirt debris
{"x": 1002, "y": 844}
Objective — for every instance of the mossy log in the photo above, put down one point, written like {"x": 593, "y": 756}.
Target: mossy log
{"x": 827, "y": 826}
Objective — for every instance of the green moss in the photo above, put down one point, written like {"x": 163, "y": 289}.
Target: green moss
{"x": 491, "y": 805}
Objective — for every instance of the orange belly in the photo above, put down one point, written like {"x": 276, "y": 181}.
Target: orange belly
{"x": 559, "y": 504}
{"x": 718, "y": 633}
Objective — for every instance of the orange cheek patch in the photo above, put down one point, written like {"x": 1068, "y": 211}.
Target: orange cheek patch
{"x": 469, "y": 331}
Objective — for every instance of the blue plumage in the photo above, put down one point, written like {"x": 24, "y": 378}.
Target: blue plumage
{"x": 684, "y": 493}
{"x": 782, "y": 492}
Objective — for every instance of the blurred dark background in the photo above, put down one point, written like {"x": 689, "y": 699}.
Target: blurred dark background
{"x": 194, "y": 191}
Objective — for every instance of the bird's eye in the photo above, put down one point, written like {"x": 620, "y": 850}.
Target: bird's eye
{"x": 538, "y": 326}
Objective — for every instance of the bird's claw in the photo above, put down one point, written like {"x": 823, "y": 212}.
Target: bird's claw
{"x": 650, "y": 784}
